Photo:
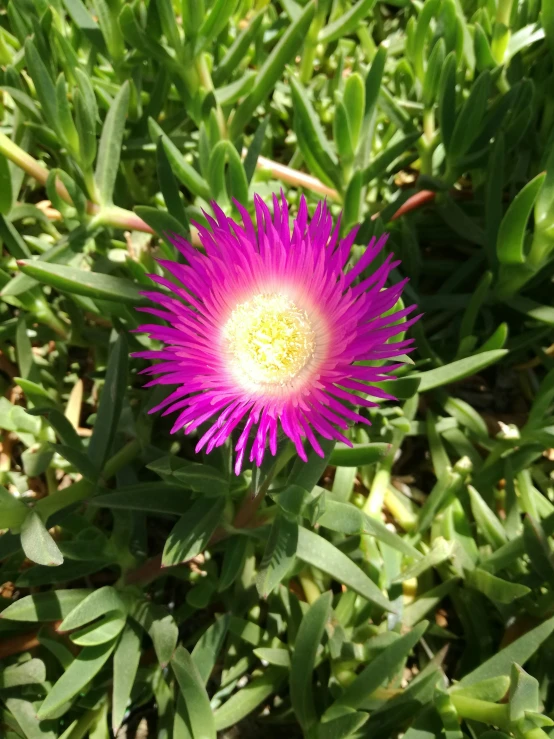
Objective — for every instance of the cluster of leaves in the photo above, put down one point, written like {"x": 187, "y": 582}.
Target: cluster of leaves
{"x": 398, "y": 586}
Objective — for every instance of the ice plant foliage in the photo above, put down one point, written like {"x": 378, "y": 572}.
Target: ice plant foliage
{"x": 269, "y": 331}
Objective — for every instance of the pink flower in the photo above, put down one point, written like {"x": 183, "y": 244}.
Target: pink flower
{"x": 268, "y": 331}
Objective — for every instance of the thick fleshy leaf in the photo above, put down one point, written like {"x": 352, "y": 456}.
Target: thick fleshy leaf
{"x": 192, "y": 532}
{"x": 109, "y": 149}
{"x": 306, "y": 646}
{"x": 80, "y": 672}
{"x": 320, "y": 553}
{"x": 197, "y": 704}
{"x": 37, "y": 542}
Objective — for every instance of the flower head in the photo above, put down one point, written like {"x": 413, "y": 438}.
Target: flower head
{"x": 268, "y": 331}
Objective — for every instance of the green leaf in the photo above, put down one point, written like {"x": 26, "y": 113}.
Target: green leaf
{"x": 51, "y": 605}
{"x": 255, "y": 149}
{"x": 244, "y": 701}
{"x": 13, "y": 242}
{"x": 433, "y": 73}
{"x": 538, "y": 549}
{"x": 487, "y": 522}
{"x": 274, "y": 656}
{"x": 532, "y": 309}
{"x": 470, "y": 117}
{"x": 359, "y": 454}
{"x": 510, "y": 245}
{"x": 519, "y": 651}
{"x": 111, "y": 402}
{"x": 150, "y": 497}
{"x": 350, "y": 520}
{"x": 169, "y": 24}
{"x": 82, "y": 282}
{"x": 231, "y": 93}
{"x": 426, "y": 15}
{"x": 26, "y": 716}
{"x": 238, "y": 49}
{"x": 522, "y": 39}
{"x": 111, "y": 142}
{"x": 354, "y": 104}
{"x": 37, "y": 543}
{"x": 108, "y": 627}
{"x": 201, "y": 478}
{"x": 192, "y": 532}
{"x": 278, "y": 556}
{"x": 427, "y": 601}
{"x": 492, "y": 689}
{"x": 160, "y": 626}
{"x": 37, "y": 459}
{"x": 233, "y": 561}
{"x": 284, "y": 51}
{"x": 494, "y": 587}
{"x": 318, "y": 552}
{"x": 342, "y": 727}
{"x": 77, "y": 459}
{"x": 27, "y": 673}
{"x": 86, "y": 24}
{"x": 384, "y": 159}
{"x": 373, "y": 82}
{"x": 161, "y": 222}
{"x": 383, "y": 667}
{"x": 169, "y": 188}
{"x": 312, "y": 142}
{"x": 125, "y": 664}
{"x": 199, "y": 711}
{"x": 306, "y": 645}
{"x": 346, "y": 22}
{"x": 96, "y": 604}
{"x": 184, "y": 172}
{"x": 524, "y": 693}
{"x": 80, "y": 672}
{"x": 458, "y": 370}
{"x": 65, "y": 119}
{"x": 342, "y": 134}
{"x": 66, "y": 572}
{"x": 35, "y": 393}
{"x": 13, "y": 511}
{"x": 467, "y": 416}
{"x": 215, "y": 21}
{"x": 307, "y": 474}
{"x": 441, "y": 551}
{"x": 207, "y": 648}
{"x": 6, "y": 195}
{"x": 45, "y": 89}
{"x": 483, "y": 53}
{"x": 235, "y": 184}
{"x": 63, "y": 428}
{"x": 447, "y": 100}
{"x": 353, "y": 198}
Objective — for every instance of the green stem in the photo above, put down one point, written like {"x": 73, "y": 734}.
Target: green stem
{"x": 310, "y": 44}
{"x": 428, "y": 143}
{"x": 483, "y": 711}
{"x": 381, "y": 481}
{"x": 501, "y": 33}
{"x": 207, "y": 83}
{"x": 84, "y": 489}
{"x": 121, "y": 458}
{"x": 311, "y": 591}
{"x": 513, "y": 277}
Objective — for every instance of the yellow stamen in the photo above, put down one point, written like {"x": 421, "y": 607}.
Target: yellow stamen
{"x": 270, "y": 339}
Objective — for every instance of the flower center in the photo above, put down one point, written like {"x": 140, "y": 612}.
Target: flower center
{"x": 270, "y": 338}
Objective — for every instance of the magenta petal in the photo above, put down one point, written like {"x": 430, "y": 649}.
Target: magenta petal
{"x": 346, "y": 321}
